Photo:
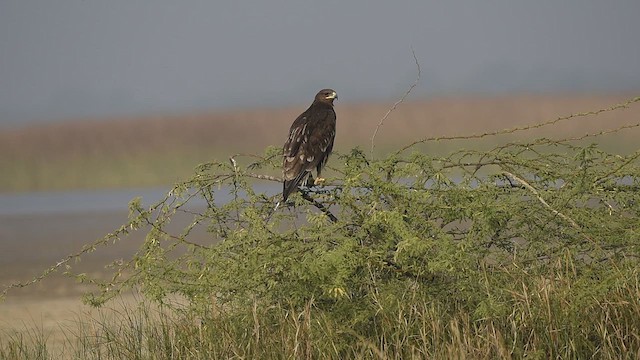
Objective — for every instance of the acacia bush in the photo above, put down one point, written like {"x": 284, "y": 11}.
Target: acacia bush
{"x": 382, "y": 223}
{"x": 488, "y": 234}
{"x": 530, "y": 248}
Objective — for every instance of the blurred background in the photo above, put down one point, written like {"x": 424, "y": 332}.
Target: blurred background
{"x": 104, "y": 94}
{"x": 101, "y": 101}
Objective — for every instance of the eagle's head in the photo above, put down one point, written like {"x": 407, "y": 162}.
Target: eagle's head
{"x": 326, "y": 96}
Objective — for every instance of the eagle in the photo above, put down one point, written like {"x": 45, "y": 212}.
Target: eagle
{"x": 310, "y": 142}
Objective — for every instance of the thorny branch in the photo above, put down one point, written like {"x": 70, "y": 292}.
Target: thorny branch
{"x": 623, "y": 105}
{"x": 395, "y": 105}
{"x": 305, "y": 195}
{"x": 545, "y": 204}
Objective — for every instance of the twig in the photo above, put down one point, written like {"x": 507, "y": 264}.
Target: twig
{"x": 606, "y": 176}
{"x": 623, "y": 105}
{"x": 176, "y": 238}
{"x": 264, "y": 177}
{"x": 321, "y": 207}
{"x": 85, "y": 249}
{"x": 543, "y": 202}
{"x": 395, "y": 105}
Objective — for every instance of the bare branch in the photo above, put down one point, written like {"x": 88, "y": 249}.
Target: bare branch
{"x": 623, "y": 105}
{"x": 543, "y": 202}
{"x": 264, "y": 177}
{"x": 319, "y": 206}
{"x": 395, "y": 105}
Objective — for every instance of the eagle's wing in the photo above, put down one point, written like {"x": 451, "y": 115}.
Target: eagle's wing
{"x": 298, "y": 154}
{"x": 323, "y": 142}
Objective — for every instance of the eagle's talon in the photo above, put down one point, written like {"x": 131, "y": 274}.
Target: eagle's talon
{"x": 319, "y": 181}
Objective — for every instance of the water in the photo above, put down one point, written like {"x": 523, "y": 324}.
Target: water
{"x": 83, "y": 201}
{"x": 59, "y": 202}
{"x": 38, "y": 229}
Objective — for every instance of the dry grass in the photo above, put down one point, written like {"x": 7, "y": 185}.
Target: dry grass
{"x": 544, "y": 323}
{"x": 159, "y": 150}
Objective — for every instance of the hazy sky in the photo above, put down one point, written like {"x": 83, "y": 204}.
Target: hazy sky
{"x": 74, "y": 58}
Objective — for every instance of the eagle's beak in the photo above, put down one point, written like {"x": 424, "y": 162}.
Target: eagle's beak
{"x": 333, "y": 96}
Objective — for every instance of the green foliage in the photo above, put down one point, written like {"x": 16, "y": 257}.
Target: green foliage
{"x": 487, "y": 234}
{"x": 527, "y": 249}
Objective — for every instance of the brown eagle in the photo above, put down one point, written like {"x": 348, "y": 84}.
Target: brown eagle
{"x": 310, "y": 142}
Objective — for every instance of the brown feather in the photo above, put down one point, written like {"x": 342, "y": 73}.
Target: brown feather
{"x": 310, "y": 142}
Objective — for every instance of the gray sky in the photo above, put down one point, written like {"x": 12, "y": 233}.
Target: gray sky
{"x": 75, "y": 58}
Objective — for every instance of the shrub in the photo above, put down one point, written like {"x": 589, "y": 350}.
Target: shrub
{"x": 530, "y": 238}
{"x": 529, "y": 248}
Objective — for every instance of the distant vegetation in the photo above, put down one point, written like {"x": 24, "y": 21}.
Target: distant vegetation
{"x": 160, "y": 150}
{"x": 526, "y": 249}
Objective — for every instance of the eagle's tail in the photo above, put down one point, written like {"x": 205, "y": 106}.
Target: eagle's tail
{"x": 290, "y": 186}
